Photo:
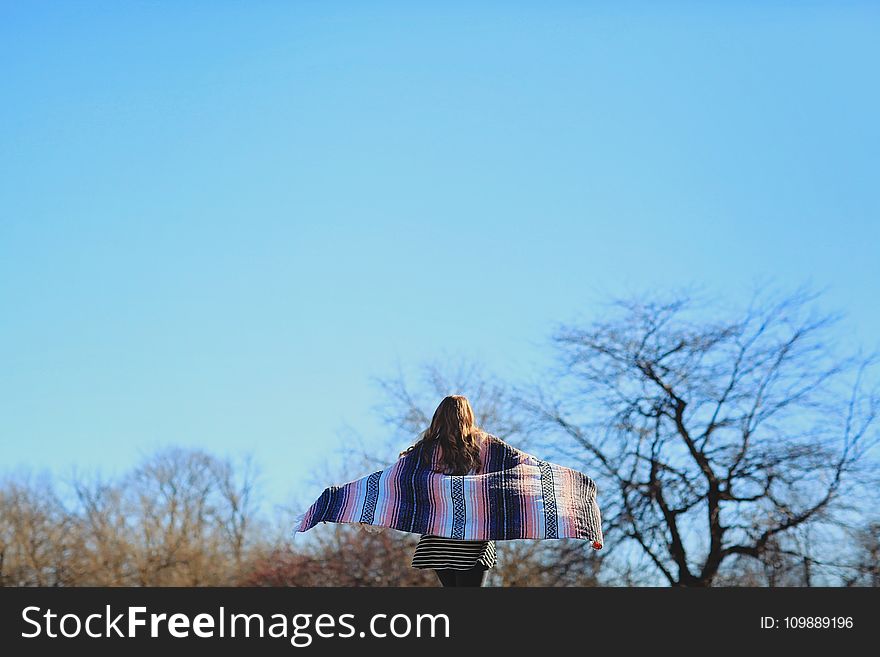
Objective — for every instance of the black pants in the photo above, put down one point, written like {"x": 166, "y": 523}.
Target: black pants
{"x": 471, "y": 577}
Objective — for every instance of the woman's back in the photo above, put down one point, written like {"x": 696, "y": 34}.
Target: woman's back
{"x": 446, "y": 554}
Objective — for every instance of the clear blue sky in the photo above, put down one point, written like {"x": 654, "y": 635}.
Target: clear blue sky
{"x": 219, "y": 220}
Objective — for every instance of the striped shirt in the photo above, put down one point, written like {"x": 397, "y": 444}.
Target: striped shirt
{"x": 438, "y": 552}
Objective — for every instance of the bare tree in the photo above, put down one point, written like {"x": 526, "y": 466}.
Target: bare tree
{"x": 235, "y": 511}
{"x": 712, "y": 439}
{"x": 181, "y": 518}
{"x": 106, "y": 532}
{"x": 407, "y": 410}
{"x": 189, "y": 513}
{"x": 39, "y": 544}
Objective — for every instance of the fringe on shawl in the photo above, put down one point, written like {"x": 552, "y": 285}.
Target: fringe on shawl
{"x": 515, "y": 496}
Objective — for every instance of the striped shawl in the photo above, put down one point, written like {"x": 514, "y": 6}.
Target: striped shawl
{"x": 515, "y": 496}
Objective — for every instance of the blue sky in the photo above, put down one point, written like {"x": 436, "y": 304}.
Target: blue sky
{"x": 219, "y": 220}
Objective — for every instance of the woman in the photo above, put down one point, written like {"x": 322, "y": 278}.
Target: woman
{"x": 462, "y": 489}
{"x": 457, "y": 446}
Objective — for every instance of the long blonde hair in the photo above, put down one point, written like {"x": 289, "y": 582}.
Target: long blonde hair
{"x": 455, "y": 432}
